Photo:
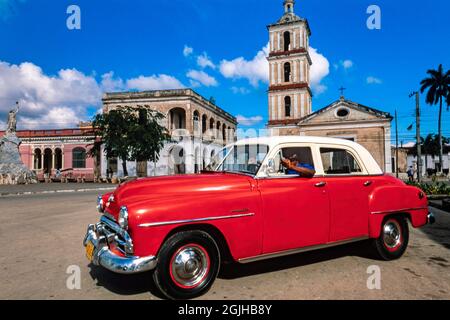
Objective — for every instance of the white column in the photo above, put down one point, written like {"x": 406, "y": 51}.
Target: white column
{"x": 302, "y": 105}
{"x": 295, "y": 39}
{"x": 272, "y": 104}
{"x": 294, "y": 74}
{"x": 279, "y": 73}
{"x": 272, "y": 78}
{"x": 279, "y": 40}
{"x": 302, "y": 73}
{"x": 301, "y": 38}
{"x": 272, "y": 42}
{"x": 296, "y": 106}
{"x": 387, "y": 149}
{"x": 279, "y": 107}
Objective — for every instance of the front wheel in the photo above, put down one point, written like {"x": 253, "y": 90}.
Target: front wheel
{"x": 393, "y": 239}
{"x": 188, "y": 264}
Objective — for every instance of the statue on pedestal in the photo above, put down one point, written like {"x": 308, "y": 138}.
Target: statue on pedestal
{"x": 12, "y": 169}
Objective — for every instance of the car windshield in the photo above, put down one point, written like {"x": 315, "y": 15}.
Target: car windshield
{"x": 240, "y": 158}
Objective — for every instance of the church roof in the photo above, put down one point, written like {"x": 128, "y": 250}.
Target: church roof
{"x": 355, "y": 105}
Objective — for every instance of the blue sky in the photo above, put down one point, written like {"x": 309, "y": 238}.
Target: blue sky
{"x": 59, "y": 74}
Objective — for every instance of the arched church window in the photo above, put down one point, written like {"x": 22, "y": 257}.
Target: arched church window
{"x": 287, "y": 106}
{"x": 287, "y": 72}
{"x": 287, "y": 41}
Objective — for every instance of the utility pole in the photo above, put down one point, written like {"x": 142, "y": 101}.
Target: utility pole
{"x": 396, "y": 144}
{"x": 418, "y": 142}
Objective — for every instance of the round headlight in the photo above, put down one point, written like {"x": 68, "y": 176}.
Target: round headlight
{"x": 123, "y": 218}
{"x": 100, "y": 204}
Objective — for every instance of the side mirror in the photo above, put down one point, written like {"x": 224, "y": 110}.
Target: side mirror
{"x": 270, "y": 167}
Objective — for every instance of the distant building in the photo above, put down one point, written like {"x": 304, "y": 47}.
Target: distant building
{"x": 46, "y": 151}
{"x": 198, "y": 125}
{"x": 290, "y": 96}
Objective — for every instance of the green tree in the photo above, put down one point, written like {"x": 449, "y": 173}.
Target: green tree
{"x": 131, "y": 134}
{"x": 113, "y": 129}
{"x": 438, "y": 86}
{"x": 148, "y": 137}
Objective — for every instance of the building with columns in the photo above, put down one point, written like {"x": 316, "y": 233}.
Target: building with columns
{"x": 290, "y": 95}
{"x": 199, "y": 129}
{"x": 46, "y": 151}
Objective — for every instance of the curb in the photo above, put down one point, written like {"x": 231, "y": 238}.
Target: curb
{"x": 25, "y": 193}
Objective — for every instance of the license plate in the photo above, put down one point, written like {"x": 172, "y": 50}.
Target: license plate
{"x": 90, "y": 250}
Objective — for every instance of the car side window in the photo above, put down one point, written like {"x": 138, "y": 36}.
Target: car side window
{"x": 301, "y": 156}
{"x": 338, "y": 161}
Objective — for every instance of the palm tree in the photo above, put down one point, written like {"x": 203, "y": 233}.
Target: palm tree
{"x": 438, "y": 85}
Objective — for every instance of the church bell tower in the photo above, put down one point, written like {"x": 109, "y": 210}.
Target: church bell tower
{"x": 289, "y": 64}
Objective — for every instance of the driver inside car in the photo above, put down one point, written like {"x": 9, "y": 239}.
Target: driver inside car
{"x": 294, "y": 166}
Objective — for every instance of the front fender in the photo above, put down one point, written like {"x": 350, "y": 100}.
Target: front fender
{"x": 392, "y": 199}
{"x": 155, "y": 219}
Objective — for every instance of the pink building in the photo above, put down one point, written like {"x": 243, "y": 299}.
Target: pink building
{"x": 46, "y": 151}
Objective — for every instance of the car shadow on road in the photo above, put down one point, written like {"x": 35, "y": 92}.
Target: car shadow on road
{"x": 124, "y": 284}
{"x": 237, "y": 270}
{"x": 440, "y": 231}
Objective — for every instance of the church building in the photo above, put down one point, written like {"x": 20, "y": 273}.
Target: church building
{"x": 290, "y": 95}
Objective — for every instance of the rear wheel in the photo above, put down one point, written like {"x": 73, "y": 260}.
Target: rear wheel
{"x": 188, "y": 264}
{"x": 393, "y": 239}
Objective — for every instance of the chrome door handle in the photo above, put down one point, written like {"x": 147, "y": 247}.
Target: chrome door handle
{"x": 367, "y": 183}
{"x": 320, "y": 184}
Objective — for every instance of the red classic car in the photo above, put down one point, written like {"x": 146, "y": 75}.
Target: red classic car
{"x": 260, "y": 198}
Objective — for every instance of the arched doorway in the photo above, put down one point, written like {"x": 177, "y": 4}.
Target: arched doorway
{"x": 197, "y": 160}
{"x": 196, "y": 122}
{"x": 48, "y": 161}
{"x": 37, "y": 159}
{"x": 177, "y": 118}
{"x": 177, "y": 160}
{"x": 58, "y": 158}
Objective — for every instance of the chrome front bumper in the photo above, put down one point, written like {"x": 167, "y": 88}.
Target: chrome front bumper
{"x": 104, "y": 257}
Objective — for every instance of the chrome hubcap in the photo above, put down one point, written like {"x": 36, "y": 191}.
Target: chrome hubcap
{"x": 391, "y": 234}
{"x": 189, "y": 266}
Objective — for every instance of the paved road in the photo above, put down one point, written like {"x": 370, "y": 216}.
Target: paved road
{"x": 41, "y": 236}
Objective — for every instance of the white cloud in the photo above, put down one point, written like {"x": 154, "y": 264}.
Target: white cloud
{"x": 109, "y": 84}
{"x": 187, "y": 51}
{"x": 204, "y": 61}
{"x": 154, "y": 82}
{"x": 201, "y": 77}
{"x": 373, "y": 80}
{"x": 62, "y": 100}
{"x": 240, "y": 90}
{"x": 319, "y": 70}
{"x": 255, "y": 70}
{"x": 43, "y": 96}
{"x": 248, "y": 121}
{"x": 347, "y": 64}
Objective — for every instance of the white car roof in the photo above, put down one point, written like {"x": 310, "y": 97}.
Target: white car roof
{"x": 369, "y": 162}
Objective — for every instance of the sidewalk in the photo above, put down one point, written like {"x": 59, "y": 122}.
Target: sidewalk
{"x": 45, "y": 188}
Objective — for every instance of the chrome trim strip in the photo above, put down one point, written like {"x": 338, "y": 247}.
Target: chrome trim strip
{"x": 400, "y": 210}
{"x": 157, "y": 224}
{"x": 299, "y": 250}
